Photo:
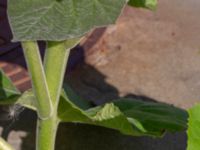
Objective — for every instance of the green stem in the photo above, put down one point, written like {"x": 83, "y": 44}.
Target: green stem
{"x": 4, "y": 145}
{"x": 55, "y": 62}
{"x": 34, "y": 63}
{"x": 46, "y": 133}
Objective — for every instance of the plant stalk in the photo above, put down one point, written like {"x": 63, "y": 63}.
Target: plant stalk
{"x": 55, "y": 62}
{"x": 39, "y": 84}
{"x": 46, "y": 133}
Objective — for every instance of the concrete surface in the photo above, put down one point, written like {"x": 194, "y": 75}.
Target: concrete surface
{"x": 151, "y": 54}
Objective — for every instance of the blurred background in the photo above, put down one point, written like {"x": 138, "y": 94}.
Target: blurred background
{"x": 153, "y": 56}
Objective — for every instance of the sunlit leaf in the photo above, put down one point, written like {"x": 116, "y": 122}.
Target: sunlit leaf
{"x": 194, "y": 128}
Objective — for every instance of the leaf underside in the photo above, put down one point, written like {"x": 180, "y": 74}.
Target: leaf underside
{"x": 57, "y": 20}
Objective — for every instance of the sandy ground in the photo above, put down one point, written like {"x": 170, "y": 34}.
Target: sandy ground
{"x": 146, "y": 54}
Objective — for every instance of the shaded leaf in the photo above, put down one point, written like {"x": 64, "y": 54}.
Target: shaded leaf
{"x": 68, "y": 93}
{"x": 150, "y": 4}
{"x": 194, "y": 128}
{"x": 8, "y": 92}
{"x": 128, "y": 116}
{"x": 69, "y": 112}
{"x": 155, "y": 118}
{"x": 57, "y": 20}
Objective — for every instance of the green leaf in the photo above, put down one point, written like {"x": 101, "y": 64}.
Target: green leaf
{"x": 110, "y": 116}
{"x": 68, "y": 112}
{"x": 8, "y": 92}
{"x": 68, "y": 93}
{"x": 154, "y": 117}
{"x": 150, "y": 4}
{"x": 57, "y": 20}
{"x": 194, "y": 128}
{"x": 128, "y": 116}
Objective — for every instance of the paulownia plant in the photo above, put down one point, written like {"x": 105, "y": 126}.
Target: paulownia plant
{"x": 62, "y": 23}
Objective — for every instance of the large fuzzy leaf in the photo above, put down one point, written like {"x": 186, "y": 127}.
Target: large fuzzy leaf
{"x": 128, "y": 116}
{"x": 194, "y": 128}
{"x": 57, "y": 20}
{"x": 150, "y": 4}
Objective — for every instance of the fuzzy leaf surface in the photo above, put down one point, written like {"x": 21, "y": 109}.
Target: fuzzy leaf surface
{"x": 57, "y": 20}
{"x": 194, "y": 128}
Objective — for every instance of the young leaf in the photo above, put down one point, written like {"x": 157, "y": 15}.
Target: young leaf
{"x": 8, "y": 92}
{"x": 150, "y": 4}
{"x": 194, "y": 128}
{"x": 57, "y": 20}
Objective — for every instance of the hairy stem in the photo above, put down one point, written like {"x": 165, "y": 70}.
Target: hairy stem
{"x": 46, "y": 133}
{"x": 55, "y": 62}
{"x": 4, "y": 145}
{"x": 39, "y": 84}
